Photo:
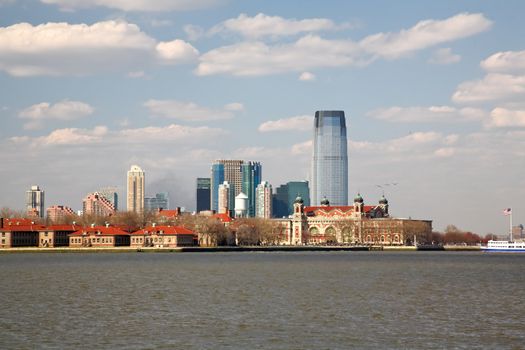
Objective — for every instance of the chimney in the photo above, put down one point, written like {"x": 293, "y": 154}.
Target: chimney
{"x": 92, "y": 225}
{"x": 107, "y": 224}
{"x": 154, "y": 224}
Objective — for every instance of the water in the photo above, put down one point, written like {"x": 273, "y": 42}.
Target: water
{"x": 310, "y": 300}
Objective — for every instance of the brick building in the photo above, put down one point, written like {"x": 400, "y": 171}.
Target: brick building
{"x": 99, "y": 237}
{"x": 163, "y": 237}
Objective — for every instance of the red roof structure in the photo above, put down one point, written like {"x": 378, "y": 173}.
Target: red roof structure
{"x": 101, "y": 230}
{"x": 166, "y": 230}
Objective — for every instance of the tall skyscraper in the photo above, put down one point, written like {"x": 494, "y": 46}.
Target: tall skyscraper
{"x": 136, "y": 189}
{"x": 110, "y": 193}
{"x": 203, "y": 197}
{"x": 242, "y": 177}
{"x": 160, "y": 201}
{"x": 225, "y": 170}
{"x": 263, "y": 203}
{"x": 251, "y": 178}
{"x": 285, "y": 195}
{"x": 35, "y": 201}
{"x": 330, "y": 159}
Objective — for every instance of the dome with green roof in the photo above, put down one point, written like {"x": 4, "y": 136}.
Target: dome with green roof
{"x": 358, "y": 199}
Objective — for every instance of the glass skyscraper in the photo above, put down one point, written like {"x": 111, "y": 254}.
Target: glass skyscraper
{"x": 251, "y": 178}
{"x": 203, "y": 194}
{"x": 330, "y": 159}
{"x": 217, "y": 178}
{"x": 285, "y": 196}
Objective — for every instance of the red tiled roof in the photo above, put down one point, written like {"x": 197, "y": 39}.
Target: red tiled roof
{"x": 22, "y": 228}
{"x": 224, "y": 217}
{"x": 18, "y": 222}
{"x": 166, "y": 230}
{"x": 104, "y": 231}
{"x": 168, "y": 213}
{"x": 62, "y": 227}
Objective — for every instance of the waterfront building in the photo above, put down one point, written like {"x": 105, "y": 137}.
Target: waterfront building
{"x": 99, "y": 237}
{"x": 517, "y": 231}
{"x": 59, "y": 213}
{"x": 263, "y": 202}
{"x": 55, "y": 235}
{"x": 330, "y": 159}
{"x": 356, "y": 224}
{"x": 241, "y": 205}
{"x": 285, "y": 195}
{"x": 136, "y": 188}
{"x": 160, "y": 201}
{"x": 110, "y": 193}
{"x": 19, "y": 233}
{"x": 95, "y": 204}
{"x": 226, "y": 198}
{"x": 35, "y": 201}
{"x": 251, "y": 178}
{"x": 163, "y": 237}
{"x": 203, "y": 194}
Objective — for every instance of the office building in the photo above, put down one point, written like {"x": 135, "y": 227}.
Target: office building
{"x": 263, "y": 203}
{"x": 225, "y": 170}
{"x": 35, "y": 201}
{"x": 251, "y": 178}
{"x": 285, "y": 196}
{"x": 136, "y": 189}
{"x": 160, "y": 201}
{"x": 330, "y": 159}
{"x": 203, "y": 194}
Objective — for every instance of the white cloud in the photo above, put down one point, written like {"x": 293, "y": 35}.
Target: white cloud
{"x": 80, "y": 49}
{"x": 302, "y": 148}
{"x": 71, "y": 136}
{"x": 258, "y": 58}
{"x": 134, "y": 5}
{"x": 190, "y": 111}
{"x": 505, "y": 118}
{"x": 297, "y": 123}
{"x": 427, "y": 114}
{"x": 262, "y": 25}
{"x": 63, "y": 110}
{"x": 445, "y": 152}
{"x": 176, "y": 51}
{"x": 254, "y": 58}
{"x": 307, "y": 76}
{"x": 193, "y": 32}
{"x": 234, "y": 107}
{"x": 493, "y": 87}
{"x": 444, "y": 56}
{"x": 137, "y": 136}
{"x": 512, "y": 62}
{"x": 425, "y": 34}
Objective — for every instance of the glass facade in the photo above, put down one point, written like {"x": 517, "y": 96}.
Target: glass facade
{"x": 217, "y": 178}
{"x": 160, "y": 201}
{"x": 330, "y": 159}
{"x": 285, "y": 196}
{"x": 251, "y": 178}
{"x": 203, "y": 194}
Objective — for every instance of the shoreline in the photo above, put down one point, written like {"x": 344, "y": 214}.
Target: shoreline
{"x": 237, "y": 249}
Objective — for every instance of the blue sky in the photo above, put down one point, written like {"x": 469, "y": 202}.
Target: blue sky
{"x": 433, "y": 94}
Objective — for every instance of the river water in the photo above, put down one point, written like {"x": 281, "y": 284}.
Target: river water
{"x": 263, "y": 300}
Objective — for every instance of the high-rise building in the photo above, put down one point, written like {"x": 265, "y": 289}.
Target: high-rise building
{"x": 35, "y": 201}
{"x": 226, "y": 199}
{"x": 263, "y": 203}
{"x": 285, "y": 195}
{"x": 203, "y": 194}
{"x": 160, "y": 201}
{"x": 110, "y": 193}
{"x": 225, "y": 170}
{"x": 251, "y": 178}
{"x": 330, "y": 159}
{"x": 59, "y": 213}
{"x": 98, "y": 205}
{"x": 242, "y": 177}
{"x": 136, "y": 188}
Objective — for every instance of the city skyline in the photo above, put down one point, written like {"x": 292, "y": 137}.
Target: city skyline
{"x": 432, "y": 94}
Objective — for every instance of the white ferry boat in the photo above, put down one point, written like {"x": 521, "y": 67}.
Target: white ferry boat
{"x": 504, "y": 246}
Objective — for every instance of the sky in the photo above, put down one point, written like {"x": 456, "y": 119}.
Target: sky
{"x": 433, "y": 93}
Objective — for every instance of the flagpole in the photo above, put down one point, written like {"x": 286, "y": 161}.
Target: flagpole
{"x": 510, "y": 232}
